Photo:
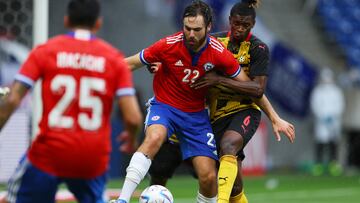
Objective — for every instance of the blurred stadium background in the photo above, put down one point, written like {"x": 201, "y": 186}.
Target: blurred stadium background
{"x": 304, "y": 36}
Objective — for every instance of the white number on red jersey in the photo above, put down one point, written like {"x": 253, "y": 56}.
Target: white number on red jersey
{"x": 86, "y": 100}
{"x": 190, "y": 75}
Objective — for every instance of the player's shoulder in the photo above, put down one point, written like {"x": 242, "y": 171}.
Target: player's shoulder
{"x": 51, "y": 42}
{"x": 257, "y": 43}
{"x": 222, "y": 34}
{"x": 175, "y": 38}
{"x": 44, "y": 48}
{"x": 216, "y": 45}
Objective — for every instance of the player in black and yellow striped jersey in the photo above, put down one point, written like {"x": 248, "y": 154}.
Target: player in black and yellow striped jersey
{"x": 234, "y": 116}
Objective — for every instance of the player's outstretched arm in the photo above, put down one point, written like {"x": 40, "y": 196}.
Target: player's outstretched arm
{"x": 8, "y": 103}
{"x": 279, "y": 125}
{"x": 134, "y": 61}
{"x": 254, "y": 88}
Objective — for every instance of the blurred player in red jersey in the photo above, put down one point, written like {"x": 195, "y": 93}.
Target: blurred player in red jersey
{"x": 179, "y": 108}
{"x": 81, "y": 74}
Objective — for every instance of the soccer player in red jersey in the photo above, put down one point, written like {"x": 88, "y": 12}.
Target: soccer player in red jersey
{"x": 234, "y": 116}
{"x": 179, "y": 108}
{"x": 81, "y": 74}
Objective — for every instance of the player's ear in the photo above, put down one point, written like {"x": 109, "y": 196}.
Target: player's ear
{"x": 208, "y": 27}
{"x": 98, "y": 24}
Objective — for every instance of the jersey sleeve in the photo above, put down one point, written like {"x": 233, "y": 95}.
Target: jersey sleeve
{"x": 31, "y": 70}
{"x": 260, "y": 60}
{"x": 153, "y": 53}
{"x": 227, "y": 64}
{"x": 124, "y": 83}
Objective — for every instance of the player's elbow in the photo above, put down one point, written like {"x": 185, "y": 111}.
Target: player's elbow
{"x": 259, "y": 92}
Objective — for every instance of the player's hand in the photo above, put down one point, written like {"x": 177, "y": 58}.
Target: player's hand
{"x": 282, "y": 126}
{"x": 154, "y": 67}
{"x": 128, "y": 144}
{"x": 209, "y": 79}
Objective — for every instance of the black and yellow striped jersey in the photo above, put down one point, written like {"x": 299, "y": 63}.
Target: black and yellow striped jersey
{"x": 253, "y": 56}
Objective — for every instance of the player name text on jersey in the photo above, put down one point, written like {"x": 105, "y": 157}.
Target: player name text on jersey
{"x": 80, "y": 61}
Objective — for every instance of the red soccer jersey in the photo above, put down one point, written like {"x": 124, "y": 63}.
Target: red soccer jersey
{"x": 180, "y": 68}
{"x": 80, "y": 77}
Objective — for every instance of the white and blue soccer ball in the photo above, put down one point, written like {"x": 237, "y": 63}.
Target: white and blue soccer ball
{"x": 156, "y": 194}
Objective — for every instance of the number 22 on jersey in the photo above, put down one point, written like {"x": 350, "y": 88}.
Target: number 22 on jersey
{"x": 190, "y": 75}
{"x": 57, "y": 119}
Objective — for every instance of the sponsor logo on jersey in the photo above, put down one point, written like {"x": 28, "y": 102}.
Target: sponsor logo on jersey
{"x": 179, "y": 63}
{"x": 262, "y": 46}
{"x": 155, "y": 118}
{"x": 208, "y": 66}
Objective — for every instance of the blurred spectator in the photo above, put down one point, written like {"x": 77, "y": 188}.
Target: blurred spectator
{"x": 350, "y": 81}
{"x": 327, "y": 105}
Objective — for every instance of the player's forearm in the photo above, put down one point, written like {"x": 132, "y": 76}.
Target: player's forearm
{"x": 133, "y": 122}
{"x": 134, "y": 61}
{"x": 249, "y": 88}
{"x": 9, "y": 103}
{"x": 267, "y": 108}
{"x": 131, "y": 115}
{"x": 6, "y": 109}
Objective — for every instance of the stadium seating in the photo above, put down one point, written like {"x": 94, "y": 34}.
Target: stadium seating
{"x": 341, "y": 20}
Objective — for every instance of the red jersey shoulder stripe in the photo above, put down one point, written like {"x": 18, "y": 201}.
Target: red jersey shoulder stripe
{"x": 174, "y": 39}
{"x": 216, "y": 45}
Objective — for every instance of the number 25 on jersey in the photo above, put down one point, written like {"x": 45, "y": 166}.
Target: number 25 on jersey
{"x": 57, "y": 119}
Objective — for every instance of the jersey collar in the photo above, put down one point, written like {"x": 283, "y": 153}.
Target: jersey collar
{"x": 81, "y": 34}
{"x": 246, "y": 39}
{"x": 196, "y": 55}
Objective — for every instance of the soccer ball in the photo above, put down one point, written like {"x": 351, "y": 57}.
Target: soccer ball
{"x": 156, "y": 194}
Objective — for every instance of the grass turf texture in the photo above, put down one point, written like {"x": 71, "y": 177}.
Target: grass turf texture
{"x": 275, "y": 188}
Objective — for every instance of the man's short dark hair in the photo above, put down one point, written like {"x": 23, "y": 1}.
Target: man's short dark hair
{"x": 245, "y": 8}
{"x": 198, "y": 7}
{"x": 83, "y": 13}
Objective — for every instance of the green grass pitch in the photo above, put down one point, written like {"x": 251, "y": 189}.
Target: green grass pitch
{"x": 273, "y": 188}
{"x": 276, "y": 189}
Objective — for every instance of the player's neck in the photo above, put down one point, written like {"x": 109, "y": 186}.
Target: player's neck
{"x": 236, "y": 41}
{"x": 201, "y": 46}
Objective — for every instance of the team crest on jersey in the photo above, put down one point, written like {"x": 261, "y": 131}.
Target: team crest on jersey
{"x": 242, "y": 59}
{"x": 208, "y": 66}
{"x": 155, "y": 118}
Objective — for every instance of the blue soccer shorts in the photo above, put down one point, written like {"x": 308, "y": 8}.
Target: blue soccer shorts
{"x": 29, "y": 184}
{"x": 193, "y": 129}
